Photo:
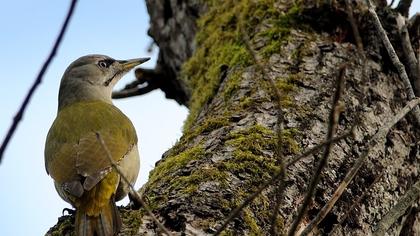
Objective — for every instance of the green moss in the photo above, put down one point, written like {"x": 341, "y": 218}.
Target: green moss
{"x": 233, "y": 85}
{"x": 169, "y": 165}
{"x": 245, "y": 162}
{"x": 279, "y": 31}
{"x": 245, "y": 103}
{"x": 248, "y": 156}
{"x": 208, "y": 125}
{"x": 271, "y": 48}
{"x": 250, "y": 145}
{"x": 250, "y": 222}
{"x": 227, "y": 232}
{"x": 164, "y": 173}
{"x": 211, "y": 124}
{"x": 187, "y": 183}
{"x": 219, "y": 42}
{"x": 64, "y": 226}
{"x": 286, "y": 86}
{"x": 280, "y": 224}
{"x": 254, "y": 139}
{"x": 190, "y": 183}
{"x": 289, "y": 136}
{"x": 132, "y": 220}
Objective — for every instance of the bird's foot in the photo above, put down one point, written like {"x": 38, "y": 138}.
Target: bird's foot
{"x": 69, "y": 211}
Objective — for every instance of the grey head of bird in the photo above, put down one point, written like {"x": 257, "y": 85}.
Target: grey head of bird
{"x": 93, "y": 77}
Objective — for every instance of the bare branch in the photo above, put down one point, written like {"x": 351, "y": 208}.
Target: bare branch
{"x": 404, "y": 7}
{"x": 373, "y": 143}
{"x": 150, "y": 77}
{"x": 333, "y": 121}
{"x": 412, "y": 64}
{"x": 19, "y": 115}
{"x": 394, "y": 58}
{"x": 133, "y": 84}
{"x": 355, "y": 29}
{"x": 133, "y": 192}
{"x": 124, "y": 93}
{"x": 399, "y": 209}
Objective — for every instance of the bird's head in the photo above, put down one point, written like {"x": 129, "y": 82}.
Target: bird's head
{"x": 92, "y": 77}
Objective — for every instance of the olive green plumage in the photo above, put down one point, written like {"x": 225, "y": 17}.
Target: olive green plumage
{"x": 72, "y": 139}
{"x": 74, "y": 157}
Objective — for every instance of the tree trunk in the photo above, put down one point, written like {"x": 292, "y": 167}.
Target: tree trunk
{"x": 228, "y": 148}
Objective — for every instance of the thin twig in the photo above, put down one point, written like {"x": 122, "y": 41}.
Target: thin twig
{"x": 133, "y": 192}
{"x": 333, "y": 121}
{"x": 280, "y": 120}
{"x": 355, "y": 29}
{"x": 356, "y": 202}
{"x": 319, "y": 147}
{"x": 362, "y": 60}
{"x": 398, "y": 210}
{"x": 19, "y": 115}
{"x": 408, "y": 224}
{"x": 412, "y": 64}
{"x": 330, "y": 204}
{"x": 394, "y": 58}
{"x": 372, "y": 144}
{"x": 276, "y": 178}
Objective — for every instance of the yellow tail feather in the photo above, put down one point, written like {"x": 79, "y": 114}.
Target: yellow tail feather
{"x": 107, "y": 223}
{"x": 96, "y": 212}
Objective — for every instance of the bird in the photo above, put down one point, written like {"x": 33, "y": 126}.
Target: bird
{"x": 78, "y": 163}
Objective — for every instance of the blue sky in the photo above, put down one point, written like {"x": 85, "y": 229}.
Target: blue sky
{"x": 29, "y": 204}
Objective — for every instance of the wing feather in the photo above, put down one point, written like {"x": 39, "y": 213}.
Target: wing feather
{"x": 72, "y": 148}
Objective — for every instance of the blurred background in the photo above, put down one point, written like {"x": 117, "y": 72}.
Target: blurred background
{"x": 29, "y": 204}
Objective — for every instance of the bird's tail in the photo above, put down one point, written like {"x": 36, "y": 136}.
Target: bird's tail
{"x": 106, "y": 223}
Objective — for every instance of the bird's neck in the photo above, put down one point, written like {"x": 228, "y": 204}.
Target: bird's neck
{"x": 71, "y": 93}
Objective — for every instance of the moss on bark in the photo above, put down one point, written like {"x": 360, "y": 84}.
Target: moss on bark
{"x": 219, "y": 42}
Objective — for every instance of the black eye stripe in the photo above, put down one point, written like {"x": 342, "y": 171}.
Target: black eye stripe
{"x": 106, "y": 63}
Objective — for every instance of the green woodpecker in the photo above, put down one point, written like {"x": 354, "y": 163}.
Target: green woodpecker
{"x": 76, "y": 160}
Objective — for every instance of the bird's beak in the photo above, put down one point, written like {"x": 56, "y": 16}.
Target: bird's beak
{"x": 130, "y": 64}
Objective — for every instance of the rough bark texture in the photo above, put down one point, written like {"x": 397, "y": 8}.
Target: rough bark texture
{"x": 227, "y": 149}
{"x": 173, "y": 27}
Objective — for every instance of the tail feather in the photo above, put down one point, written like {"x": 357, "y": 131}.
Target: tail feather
{"x": 107, "y": 223}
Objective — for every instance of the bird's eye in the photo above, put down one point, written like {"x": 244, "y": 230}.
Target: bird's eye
{"x": 103, "y": 64}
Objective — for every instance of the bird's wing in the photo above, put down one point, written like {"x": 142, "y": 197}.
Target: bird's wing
{"x": 73, "y": 149}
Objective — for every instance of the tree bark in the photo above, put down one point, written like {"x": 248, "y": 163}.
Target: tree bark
{"x": 228, "y": 146}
